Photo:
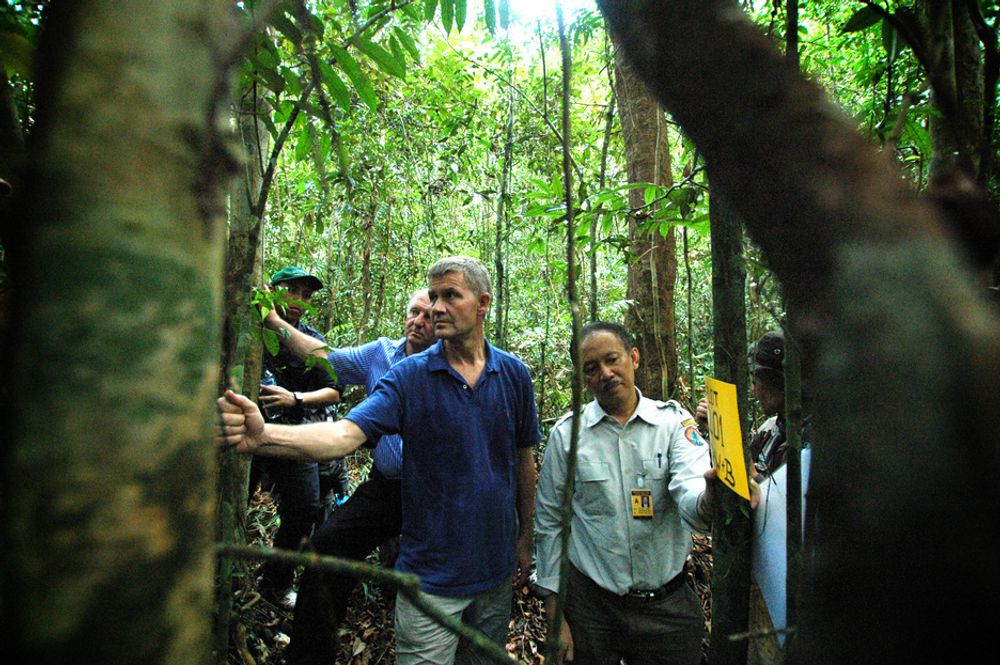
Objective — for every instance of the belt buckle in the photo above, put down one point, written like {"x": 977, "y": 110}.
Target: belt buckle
{"x": 643, "y": 594}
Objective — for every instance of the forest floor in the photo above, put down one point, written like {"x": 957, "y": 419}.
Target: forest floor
{"x": 367, "y": 636}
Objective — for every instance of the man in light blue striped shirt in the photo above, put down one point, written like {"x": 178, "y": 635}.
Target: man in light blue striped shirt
{"x": 372, "y": 514}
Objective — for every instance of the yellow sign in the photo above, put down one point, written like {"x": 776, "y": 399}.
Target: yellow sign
{"x": 726, "y": 437}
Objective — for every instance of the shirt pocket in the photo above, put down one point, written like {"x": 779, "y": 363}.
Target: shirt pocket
{"x": 593, "y": 489}
{"x": 655, "y": 468}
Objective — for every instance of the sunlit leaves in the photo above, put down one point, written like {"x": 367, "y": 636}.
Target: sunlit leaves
{"x": 361, "y": 82}
{"x": 386, "y": 61}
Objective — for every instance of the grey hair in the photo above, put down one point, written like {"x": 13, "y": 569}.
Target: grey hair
{"x": 422, "y": 291}
{"x": 476, "y": 277}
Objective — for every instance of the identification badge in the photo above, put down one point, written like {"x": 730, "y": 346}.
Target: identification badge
{"x": 642, "y": 504}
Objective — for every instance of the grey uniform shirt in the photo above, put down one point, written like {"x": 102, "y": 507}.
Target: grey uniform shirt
{"x": 658, "y": 449}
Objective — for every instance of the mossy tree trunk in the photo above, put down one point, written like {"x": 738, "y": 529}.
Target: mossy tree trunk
{"x": 116, "y": 337}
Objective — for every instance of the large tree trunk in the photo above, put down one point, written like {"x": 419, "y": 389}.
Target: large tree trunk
{"x": 905, "y": 460}
{"x": 652, "y": 271}
{"x": 116, "y": 337}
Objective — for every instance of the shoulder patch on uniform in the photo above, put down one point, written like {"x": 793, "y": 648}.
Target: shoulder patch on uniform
{"x": 688, "y": 422}
{"x": 693, "y": 436}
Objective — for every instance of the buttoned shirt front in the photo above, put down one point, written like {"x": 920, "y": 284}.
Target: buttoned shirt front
{"x": 658, "y": 449}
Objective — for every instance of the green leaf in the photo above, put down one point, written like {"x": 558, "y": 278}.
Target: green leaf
{"x": 335, "y": 86}
{"x": 504, "y": 14}
{"x": 361, "y": 83}
{"x": 305, "y": 143}
{"x": 386, "y": 61}
{"x": 286, "y": 27}
{"x": 407, "y": 41}
{"x": 862, "y": 19}
{"x": 271, "y": 79}
{"x": 17, "y": 53}
{"x": 490, "y": 15}
{"x": 429, "y": 7}
{"x": 459, "y": 15}
{"x": 293, "y": 81}
{"x": 447, "y": 13}
{"x": 271, "y": 341}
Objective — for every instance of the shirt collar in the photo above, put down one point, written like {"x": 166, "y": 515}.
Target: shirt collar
{"x": 438, "y": 361}
{"x": 399, "y": 349}
{"x": 646, "y": 409}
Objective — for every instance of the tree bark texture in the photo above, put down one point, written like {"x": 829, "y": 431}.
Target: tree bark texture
{"x": 731, "y": 533}
{"x": 652, "y": 271}
{"x": 956, "y": 71}
{"x": 908, "y": 350}
{"x": 241, "y": 348}
{"x": 116, "y": 338}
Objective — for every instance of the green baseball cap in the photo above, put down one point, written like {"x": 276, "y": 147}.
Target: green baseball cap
{"x": 295, "y": 272}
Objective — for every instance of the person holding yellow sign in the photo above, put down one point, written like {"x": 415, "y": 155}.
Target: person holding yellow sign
{"x": 640, "y": 490}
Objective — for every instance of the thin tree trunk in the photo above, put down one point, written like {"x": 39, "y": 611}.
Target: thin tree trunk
{"x": 652, "y": 271}
{"x": 241, "y": 348}
{"x": 116, "y": 344}
{"x": 731, "y": 534}
{"x": 502, "y": 213}
{"x": 552, "y": 638}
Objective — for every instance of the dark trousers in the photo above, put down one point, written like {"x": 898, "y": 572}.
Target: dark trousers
{"x": 607, "y": 627}
{"x": 369, "y": 518}
{"x": 296, "y": 488}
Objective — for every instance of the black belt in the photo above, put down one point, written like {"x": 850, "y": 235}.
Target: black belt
{"x": 644, "y": 595}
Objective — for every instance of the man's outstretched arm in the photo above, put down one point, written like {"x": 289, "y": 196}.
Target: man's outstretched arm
{"x": 242, "y": 427}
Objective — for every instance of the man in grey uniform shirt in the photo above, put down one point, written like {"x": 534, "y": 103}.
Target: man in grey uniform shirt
{"x": 640, "y": 490}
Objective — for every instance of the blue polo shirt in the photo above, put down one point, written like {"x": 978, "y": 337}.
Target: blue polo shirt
{"x": 459, "y": 483}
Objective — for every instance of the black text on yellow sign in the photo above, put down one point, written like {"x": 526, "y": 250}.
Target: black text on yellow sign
{"x": 726, "y": 437}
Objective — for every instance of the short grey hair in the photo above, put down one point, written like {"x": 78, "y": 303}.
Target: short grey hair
{"x": 422, "y": 291}
{"x": 476, "y": 276}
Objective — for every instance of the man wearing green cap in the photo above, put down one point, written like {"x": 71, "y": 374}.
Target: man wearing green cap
{"x": 293, "y": 394}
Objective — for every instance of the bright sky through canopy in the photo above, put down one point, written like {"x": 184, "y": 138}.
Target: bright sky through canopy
{"x": 527, "y": 11}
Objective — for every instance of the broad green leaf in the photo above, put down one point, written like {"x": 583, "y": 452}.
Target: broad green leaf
{"x": 459, "y": 15}
{"x": 490, "y": 15}
{"x": 864, "y": 18}
{"x": 272, "y": 79}
{"x": 429, "y": 7}
{"x": 286, "y": 27}
{"x": 504, "y": 14}
{"x": 386, "y": 61}
{"x": 361, "y": 83}
{"x": 305, "y": 143}
{"x": 335, "y": 85}
{"x": 414, "y": 11}
{"x": 271, "y": 341}
{"x": 293, "y": 81}
{"x": 17, "y": 53}
{"x": 397, "y": 49}
{"x": 407, "y": 41}
{"x": 447, "y": 14}
{"x": 267, "y": 55}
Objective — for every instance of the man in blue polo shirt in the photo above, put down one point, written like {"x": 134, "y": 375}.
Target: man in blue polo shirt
{"x": 466, "y": 411}
{"x": 372, "y": 514}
